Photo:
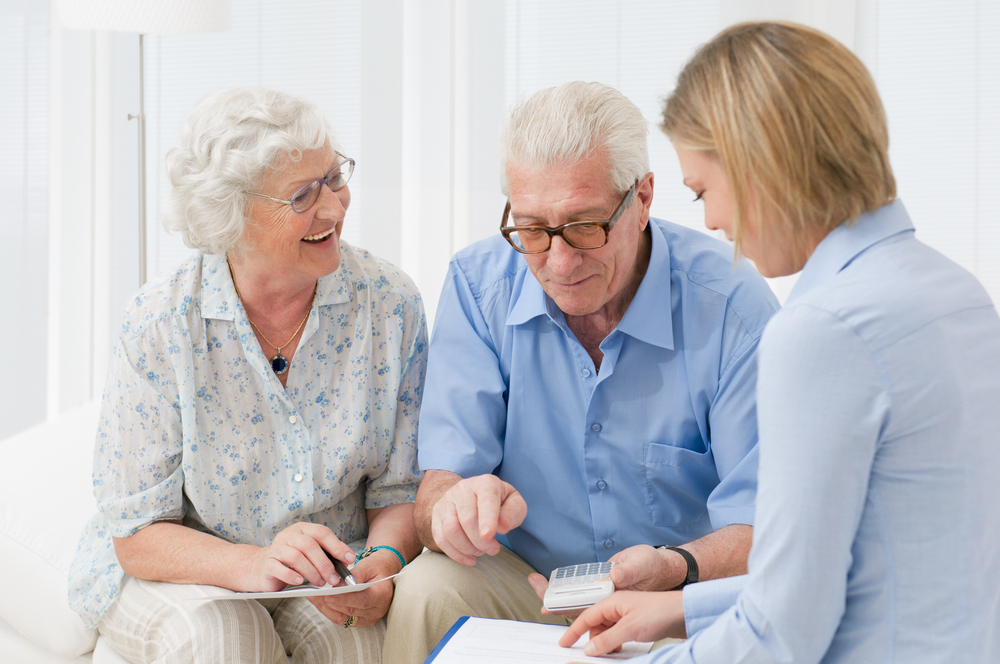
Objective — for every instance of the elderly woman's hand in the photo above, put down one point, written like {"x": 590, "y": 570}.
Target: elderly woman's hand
{"x": 368, "y": 605}
{"x": 297, "y": 554}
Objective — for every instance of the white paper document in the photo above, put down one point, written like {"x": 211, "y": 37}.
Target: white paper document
{"x": 487, "y": 641}
{"x": 304, "y": 590}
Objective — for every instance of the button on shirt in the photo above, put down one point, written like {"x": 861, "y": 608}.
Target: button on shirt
{"x": 667, "y": 425}
{"x": 196, "y": 426}
{"x": 876, "y": 533}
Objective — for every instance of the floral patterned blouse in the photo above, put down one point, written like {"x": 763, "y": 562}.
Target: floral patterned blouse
{"x": 195, "y": 425}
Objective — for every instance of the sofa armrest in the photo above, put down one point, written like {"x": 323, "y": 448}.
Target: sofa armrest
{"x": 45, "y": 501}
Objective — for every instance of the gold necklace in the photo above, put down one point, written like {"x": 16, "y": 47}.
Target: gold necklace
{"x": 279, "y": 363}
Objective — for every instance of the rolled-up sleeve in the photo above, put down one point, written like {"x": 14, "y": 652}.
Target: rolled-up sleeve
{"x": 463, "y": 418}
{"x": 138, "y": 477}
{"x": 401, "y": 478}
{"x": 733, "y": 426}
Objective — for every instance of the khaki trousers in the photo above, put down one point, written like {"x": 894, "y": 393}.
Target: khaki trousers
{"x": 157, "y": 623}
{"x": 436, "y": 591}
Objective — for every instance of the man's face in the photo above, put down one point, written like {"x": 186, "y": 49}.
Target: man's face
{"x": 580, "y": 281}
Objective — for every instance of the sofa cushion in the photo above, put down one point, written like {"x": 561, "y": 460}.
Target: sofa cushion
{"x": 45, "y": 500}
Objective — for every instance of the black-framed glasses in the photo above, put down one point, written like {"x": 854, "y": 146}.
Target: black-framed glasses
{"x": 307, "y": 195}
{"x": 577, "y": 234}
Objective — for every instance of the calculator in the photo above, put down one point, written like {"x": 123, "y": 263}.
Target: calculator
{"x": 576, "y": 587}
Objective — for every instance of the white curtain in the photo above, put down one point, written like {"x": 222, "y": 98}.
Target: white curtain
{"x": 24, "y": 175}
{"x": 416, "y": 90}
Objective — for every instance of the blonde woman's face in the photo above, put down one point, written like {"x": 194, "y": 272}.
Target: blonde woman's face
{"x": 704, "y": 175}
{"x": 775, "y": 255}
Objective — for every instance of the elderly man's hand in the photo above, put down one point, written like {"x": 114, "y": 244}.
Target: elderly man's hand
{"x": 297, "y": 554}
{"x": 467, "y": 518}
{"x": 628, "y": 616}
{"x": 643, "y": 567}
{"x": 639, "y": 567}
{"x": 540, "y": 584}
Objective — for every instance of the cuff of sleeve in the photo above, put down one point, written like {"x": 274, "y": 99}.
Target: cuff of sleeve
{"x": 729, "y": 516}
{"x": 393, "y": 495}
{"x": 464, "y": 465}
{"x": 122, "y": 528}
{"x": 706, "y": 601}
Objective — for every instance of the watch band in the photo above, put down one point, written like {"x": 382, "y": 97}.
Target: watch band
{"x": 692, "y": 565}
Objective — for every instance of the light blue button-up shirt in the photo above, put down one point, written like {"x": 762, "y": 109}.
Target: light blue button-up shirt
{"x": 195, "y": 425}
{"x": 877, "y": 537}
{"x": 657, "y": 448}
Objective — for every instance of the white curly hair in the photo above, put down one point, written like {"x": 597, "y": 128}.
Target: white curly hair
{"x": 229, "y": 142}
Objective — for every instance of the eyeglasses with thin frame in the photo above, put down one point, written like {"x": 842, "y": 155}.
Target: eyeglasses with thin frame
{"x": 577, "y": 234}
{"x": 307, "y": 195}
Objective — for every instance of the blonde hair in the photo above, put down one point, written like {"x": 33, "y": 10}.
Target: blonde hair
{"x": 571, "y": 122}
{"x": 796, "y": 122}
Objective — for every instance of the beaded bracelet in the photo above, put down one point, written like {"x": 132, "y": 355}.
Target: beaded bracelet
{"x": 372, "y": 549}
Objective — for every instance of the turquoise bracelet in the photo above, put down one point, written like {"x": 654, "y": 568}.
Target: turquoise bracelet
{"x": 372, "y": 549}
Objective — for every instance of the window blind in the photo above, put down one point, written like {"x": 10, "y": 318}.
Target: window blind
{"x": 24, "y": 215}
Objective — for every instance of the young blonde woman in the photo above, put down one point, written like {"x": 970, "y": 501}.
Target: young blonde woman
{"x": 878, "y": 393}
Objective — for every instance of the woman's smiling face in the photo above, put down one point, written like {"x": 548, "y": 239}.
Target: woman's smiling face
{"x": 291, "y": 245}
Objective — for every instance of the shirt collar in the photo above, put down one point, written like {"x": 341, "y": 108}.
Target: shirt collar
{"x": 648, "y": 317}
{"x": 846, "y": 242}
{"x": 218, "y": 294}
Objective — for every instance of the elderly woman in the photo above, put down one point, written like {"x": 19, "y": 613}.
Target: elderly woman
{"x": 876, "y": 536}
{"x": 261, "y": 410}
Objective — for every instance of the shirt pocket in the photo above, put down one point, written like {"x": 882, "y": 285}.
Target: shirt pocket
{"x": 678, "y": 483}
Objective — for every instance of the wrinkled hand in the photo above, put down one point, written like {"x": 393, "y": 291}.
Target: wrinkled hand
{"x": 628, "y": 616}
{"x": 644, "y": 568}
{"x": 636, "y": 568}
{"x": 367, "y": 605}
{"x": 467, "y": 518}
{"x": 297, "y": 554}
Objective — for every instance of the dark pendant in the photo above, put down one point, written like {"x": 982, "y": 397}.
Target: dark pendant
{"x": 279, "y": 363}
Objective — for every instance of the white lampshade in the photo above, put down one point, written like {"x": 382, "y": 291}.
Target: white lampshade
{"x": 146, "y": 16}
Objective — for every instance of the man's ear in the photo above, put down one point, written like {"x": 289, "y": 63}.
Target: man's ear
{"x": 644, "y": 192}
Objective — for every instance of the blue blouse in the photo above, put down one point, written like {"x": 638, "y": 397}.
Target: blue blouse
{"x": 878, "y": 399}
{"x": 196, "y": 426}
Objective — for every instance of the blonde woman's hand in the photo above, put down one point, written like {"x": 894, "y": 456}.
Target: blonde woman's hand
{"x": 628, "y": 616}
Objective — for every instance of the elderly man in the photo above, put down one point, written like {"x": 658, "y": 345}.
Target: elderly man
{"x": 590, "y": 385}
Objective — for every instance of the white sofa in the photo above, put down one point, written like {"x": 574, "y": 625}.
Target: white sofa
{"x": 45, "y": 500}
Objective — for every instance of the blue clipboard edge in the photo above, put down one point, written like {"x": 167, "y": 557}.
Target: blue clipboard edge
{"x": 440, "y": 646}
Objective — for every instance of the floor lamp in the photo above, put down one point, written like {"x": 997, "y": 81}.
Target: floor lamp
{"x": 145, "y": 17}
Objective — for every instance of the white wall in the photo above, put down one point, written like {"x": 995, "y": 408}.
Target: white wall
{"x": 24, "y": 213}
{"x": 416, "y": 90}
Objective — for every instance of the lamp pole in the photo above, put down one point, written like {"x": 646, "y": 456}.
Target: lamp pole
{"x": 141, "y": 117}
{"x": 142, "y": 18}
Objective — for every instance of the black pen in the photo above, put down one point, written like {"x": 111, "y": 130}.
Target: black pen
{"x": 342, "y": 571}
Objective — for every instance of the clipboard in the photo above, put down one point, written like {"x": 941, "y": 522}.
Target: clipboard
{"x": 444, "y": 639}
{"x": 473, "y": 639}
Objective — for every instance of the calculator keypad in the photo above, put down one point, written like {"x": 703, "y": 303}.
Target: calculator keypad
{"x": 582, "y": 574}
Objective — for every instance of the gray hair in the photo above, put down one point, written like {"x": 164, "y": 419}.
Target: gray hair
{"x": 229, "y": 141}
{"x": 567, "y": 124}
